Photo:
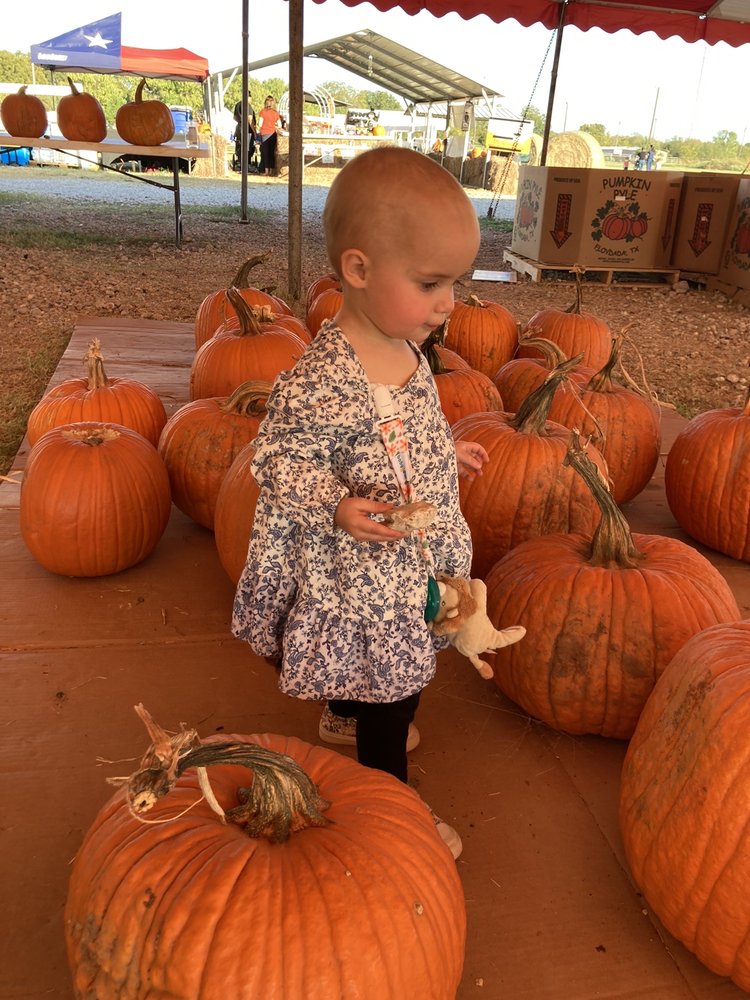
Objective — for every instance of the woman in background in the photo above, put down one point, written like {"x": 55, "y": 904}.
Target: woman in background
{"x": 269, "y": 122}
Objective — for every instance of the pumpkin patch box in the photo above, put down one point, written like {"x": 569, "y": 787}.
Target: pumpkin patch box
{"x": 630, "y": 218}
{"x": 549, "y": 217}
{"x": 706, "y": 207}
{"x": 734, "y": 268}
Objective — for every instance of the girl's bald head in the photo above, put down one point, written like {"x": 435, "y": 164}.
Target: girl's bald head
{"x": 391, "y": 198}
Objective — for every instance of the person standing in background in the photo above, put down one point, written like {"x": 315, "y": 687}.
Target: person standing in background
{"x": 251, "y": 127}
{"x": 650, "y": 157}
{"x": 269, "y": 123}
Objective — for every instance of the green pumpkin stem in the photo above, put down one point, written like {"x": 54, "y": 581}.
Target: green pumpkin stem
{"x": 94, "y": 362}
{"x": 280, "y": 800}
{"x": 534, "y": 410}
{"x": 612, "y": 542}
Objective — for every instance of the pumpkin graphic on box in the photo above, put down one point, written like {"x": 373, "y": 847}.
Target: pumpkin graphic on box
{"x": 614, "y": 223}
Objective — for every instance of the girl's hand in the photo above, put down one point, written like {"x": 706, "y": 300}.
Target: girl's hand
{"x": 353, "y": 516}
{"x": 470, "y": 458}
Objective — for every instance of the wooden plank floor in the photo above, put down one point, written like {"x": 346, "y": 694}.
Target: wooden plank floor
{"x": 552, "y": 914}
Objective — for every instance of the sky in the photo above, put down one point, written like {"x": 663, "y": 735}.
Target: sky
{"x": 628, "y": 83}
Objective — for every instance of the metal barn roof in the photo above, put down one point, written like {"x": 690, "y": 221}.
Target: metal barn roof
{"x": 390, "y": 66}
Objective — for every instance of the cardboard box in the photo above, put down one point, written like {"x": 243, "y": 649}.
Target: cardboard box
{"x": 735, "y": 259}
{"x": 706, "y": 208}
{"x": 608, "y": 218}
{"x": 549, "y": 213}
{"x": 630, "y": 218}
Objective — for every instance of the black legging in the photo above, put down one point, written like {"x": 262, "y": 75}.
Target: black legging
{"x": 382, "y": 730}
{"x": 267, "y": 152}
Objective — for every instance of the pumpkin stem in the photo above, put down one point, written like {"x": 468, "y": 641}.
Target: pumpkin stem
{"x": 533, "y": 412}
{"x": 602, "y": 380}
{"x": 281, "y": 799}
{"x": 429, "y": 349}
{"x": 139, "y": 91}
{"x": 94, "y": 362}
{"x": 249, "y": 323}
{"x": 249, "y": 398}
{"x": 746, "y": 409}
{"x": 242, "y": 278}
{"x": 578, "y": 273}
{"x": 612, "y": 541}
{"x": 552, "y": 355}
{"x": 474, "y": 300}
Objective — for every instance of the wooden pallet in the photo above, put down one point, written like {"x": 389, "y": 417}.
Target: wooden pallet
{"x": 733, "y": 292}
{"x": 630, "y": 277}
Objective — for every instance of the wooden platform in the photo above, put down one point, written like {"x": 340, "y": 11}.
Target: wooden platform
{"x": 630, "y": 277}
{"x": 552, "y": 912}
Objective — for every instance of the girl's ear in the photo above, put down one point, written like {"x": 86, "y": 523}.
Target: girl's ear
{"x": 353, "y": 268}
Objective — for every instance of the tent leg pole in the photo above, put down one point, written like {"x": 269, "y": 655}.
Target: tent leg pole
{"x": 553, "y": 83}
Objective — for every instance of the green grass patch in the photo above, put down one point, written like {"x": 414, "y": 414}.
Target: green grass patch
{"x": 498, "y": 225}
{"x": 31, "y": 235}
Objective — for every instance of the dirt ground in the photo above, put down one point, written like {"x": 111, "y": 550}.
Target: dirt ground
{"x": 694, "y": 344}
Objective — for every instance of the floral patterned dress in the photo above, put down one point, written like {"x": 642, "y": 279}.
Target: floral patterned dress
{"x": 348, "y": 616}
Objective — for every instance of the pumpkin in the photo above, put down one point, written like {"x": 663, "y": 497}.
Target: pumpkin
{"x": 684, "y": 809}
{"x": 144, "y": 123}
{"x": 484, "y": 333}
{"x": 242, "y": 351}
{"x": 463, "y": 391}
{"x": 216, "y": 309}
{"x": 23, "y": 114}
{"x": 324, "y": 306}
{"x": 520, "y": 376}
{"x": 328, "y": 880}
{"x": 329, "y": 280}
{"x": 624, "y": 424}
{"x": 524, "y": 490}
{"x": 604, "y": 615}
{"x": 235, "y": 513}
{"x": 574, "y": 332}
{"x": 94, "y": 499}
{"x": 80, "y": 116}
{"x": 707, "y": 479}
{"x": 201, "y": 440}
{"x": 99, "y": 398}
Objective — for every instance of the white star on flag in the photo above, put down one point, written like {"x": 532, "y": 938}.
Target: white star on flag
{"x": 97, "y": 40}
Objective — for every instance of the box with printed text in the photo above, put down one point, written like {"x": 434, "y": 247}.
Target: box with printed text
{"x": 549, "y": 213}
{"x": 734, "y": 268}
{"x": 706, "y": 207}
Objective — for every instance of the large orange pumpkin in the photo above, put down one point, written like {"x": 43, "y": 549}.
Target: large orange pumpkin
{"x": 329, "y": 880}
{"x": 216, "y": 309}
{"x": 685, "y": 800}
{"x": 520, "y": 376}
{"x": 235, "y": 513}
{"x": 201, "y": 440}
{"x": 144, "y": 123}
{"x": 462, "y": 391}
{"x": 318, "y": 285}
{"x": 574, "y": 331}
{"x": 80, "y": 116}
{"x": 484, "y": 333}
{"x": 240, "y": 352}
{"x": 94, "y": 499}
{"x": 524, "y": 490}
{"x": 23, "y": 114}
{"x": 707, "y": 479}
{"x": 99, "y": 398}
{"x": 604, "y": 614}
{"x": 624, "y": 424}
{"x": 324, "y": 306}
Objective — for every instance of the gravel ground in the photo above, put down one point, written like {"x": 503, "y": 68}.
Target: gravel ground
{"x": 265, "y": 194}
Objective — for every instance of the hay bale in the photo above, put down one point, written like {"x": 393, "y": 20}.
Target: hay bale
{"x": 574, "y": 149}
{"x": 216, "y": 163}
{"x": 502, "y": 175}
{"x": 535, "y": 150}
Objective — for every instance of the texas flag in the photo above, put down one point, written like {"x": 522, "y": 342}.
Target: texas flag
{"x": 98, "y": 43}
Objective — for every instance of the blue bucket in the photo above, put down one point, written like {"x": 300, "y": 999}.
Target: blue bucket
{"x": 20, "y": 157}
{"x": 182, "y": 118}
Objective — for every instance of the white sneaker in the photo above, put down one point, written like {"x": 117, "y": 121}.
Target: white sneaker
{"x": 335, "y": 729}
{"x": 449, "y": 836}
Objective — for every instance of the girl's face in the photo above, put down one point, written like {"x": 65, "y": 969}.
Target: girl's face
{"x": 409, "y": 288}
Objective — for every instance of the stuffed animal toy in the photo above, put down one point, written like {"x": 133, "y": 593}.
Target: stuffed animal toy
{"x": 462, "y": 617}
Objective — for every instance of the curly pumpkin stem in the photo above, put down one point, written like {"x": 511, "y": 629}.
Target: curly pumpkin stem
{"x": 242, "y": 278}
{"x": 249, "y": 322}
{"x": 94, "y": 362}
{"x": 533, "y": 412}
{"x": 552, "y": 354}
{"x": 612, "y": 541}
{"x": 281, "y": 799}
{"x": 575, "y": 308}
{"x": 249, "y": 398}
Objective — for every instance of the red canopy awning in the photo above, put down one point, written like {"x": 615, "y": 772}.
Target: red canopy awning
{"x": 692, "y": 20}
